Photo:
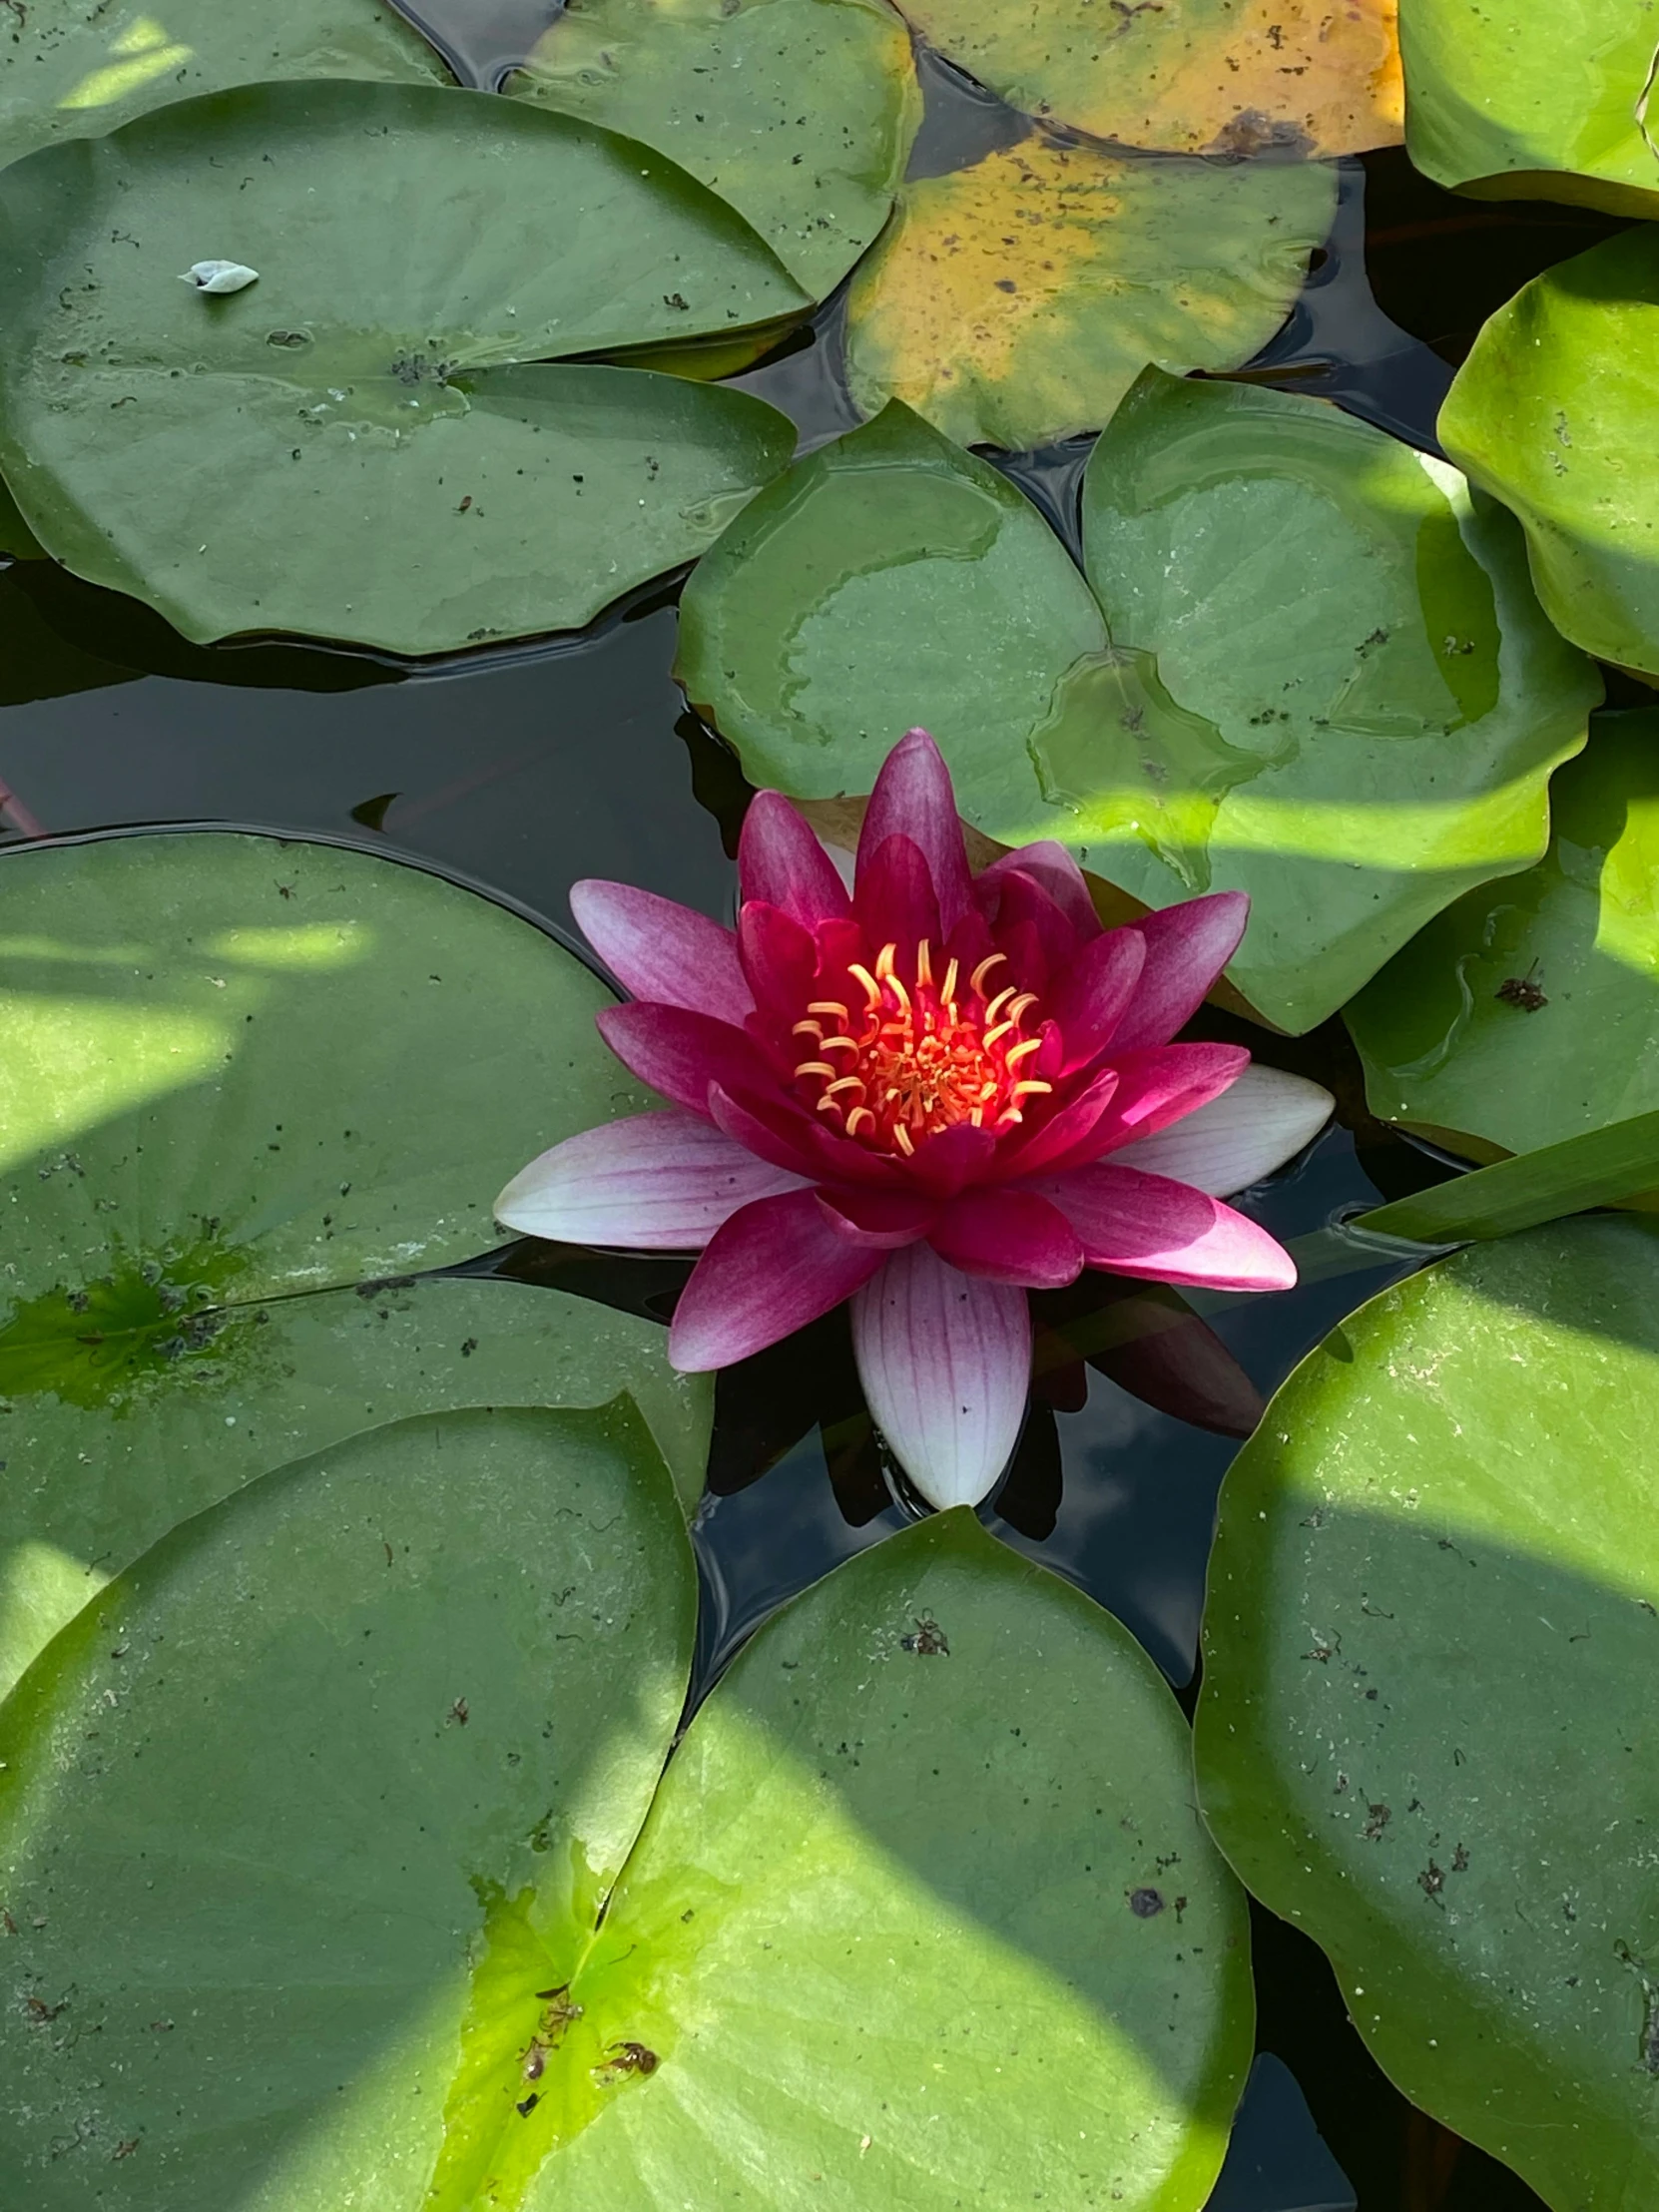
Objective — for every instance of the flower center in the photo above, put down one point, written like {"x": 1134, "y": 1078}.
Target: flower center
{"x": 920, "y": 1057}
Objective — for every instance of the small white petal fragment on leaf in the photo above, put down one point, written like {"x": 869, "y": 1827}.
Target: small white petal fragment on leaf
{"x": 220, "y": 277}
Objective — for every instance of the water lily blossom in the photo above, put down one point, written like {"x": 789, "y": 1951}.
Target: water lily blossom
{"x": 927, "y": 1095}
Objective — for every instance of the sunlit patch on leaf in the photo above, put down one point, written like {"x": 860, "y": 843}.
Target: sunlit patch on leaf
{"x": 1188, "y": 76}
{"x": 1016, "y": 302}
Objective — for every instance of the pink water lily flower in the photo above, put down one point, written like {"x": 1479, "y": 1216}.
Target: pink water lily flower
{"x": 927, "y": 1096}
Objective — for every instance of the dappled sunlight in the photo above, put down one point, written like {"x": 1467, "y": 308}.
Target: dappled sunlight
{"x": 72, "y": 1064}
{"x": 144, "y": 54}
{"x": 41, "y": 1587}
{"x": 327, "y": 944}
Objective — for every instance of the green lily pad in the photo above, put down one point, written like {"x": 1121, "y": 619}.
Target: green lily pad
{"x": 238, "y": 1067}
{"x": 108, "y": 1444}
{"x": 1330, "y": 685}
{"x": 1553, "y": 413}
{"x": 1203, "y": 76}
{"x": 1529, "y": 1011}
{"x": 1425, "y": 1733}
{"x": 358, "y": 399}
{"x": 814, "y": 1974}
{"x": 887, "y": 579}
{"x": 17, "y": 541}
{"x": 1016, "y": 302}
{"x": 1552, "y": 103}
{"x": 800, "y": 113}
{"x": 328, "y": 1774}
{"x": 79, "y": 67}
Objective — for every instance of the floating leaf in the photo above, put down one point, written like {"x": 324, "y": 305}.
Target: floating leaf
{"x": 74, "y": 68}
{"x": 1330, "y": 685}
{"x": 886, "y": 580}
{"x": 1602, "y": 1167}
{"x": 1528, "y": 1011}
{"x": 815, "y": 1952}
{"x": 1187, "y": 76}
{"x": 1425, "y": 1731}
{"x": 1553, "y": 413}
{"x": 1532, "y": 103}
{"x": 121, "y": 1420}
{"x": 17, "y": 541}
{"x": 1015, "y": 302}
{"x": 800, "y": 113}
{"x": 356, "y": 400}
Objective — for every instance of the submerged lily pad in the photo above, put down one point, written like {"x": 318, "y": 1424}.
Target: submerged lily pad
{"x": 1529, "y": 1011}
{"x": 1198, "y": 77}
{"x": 1530, "y": 102}
{"x": 17, "y": 541}
{"x": 120, "y": 1418}
{"x": 1015, "y": 301}
{"x": 800, "y": 113}
{"x": 1425, "y": 1733}
{"x": 815, "y": 1950}
{"x": 888, "y": 579}
{"x": 1340, "y": 694}
{"x": 1553, "y": 413}
{"x": 73, "y": 68}
{"x": 357, "y": 399}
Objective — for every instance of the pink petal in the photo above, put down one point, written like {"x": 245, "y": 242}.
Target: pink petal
{"x": 653, "y": 1183}
{"x": 780, "y": 959}
{"x": 945, "y": 1162}
{"x": 680, "y": 1054}
{"x": 769, "y": 1270}
{"x": 778, "y": 1129}
{"x": 1025, "y": 912}
{"x": 1159, "y": 1085}
{"x": 913, "y": 799}
{"x": 782, "y": 861}
{"x": 659, "y": 950}
{"x": 1145, "y": 1225}
{"x": 884, "y": 1220}
{"x": 1062, "y": 1137}
{"x": 1008, "y": 1237}
{"x": 1263, "y": 1120}
{"x": 1187, "y": 946}
{"x": 945, "y": 1361}
{"x": 895, "y": 899}
{"x": 1090, "y": 998}
{"x": 1049, "y": 863}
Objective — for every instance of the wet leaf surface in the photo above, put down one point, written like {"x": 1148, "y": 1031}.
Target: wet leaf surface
{"x": 1015, "y": 301}
{"x": 1423, "y": 1735}
{"x": 357, "y": 399}
{"x": 800, "y": 113}
{"x": 484, "y": 1718}
{"x": 1552, "y": 103}
{"x": 1555, "y": 970}
{"x": 75, "y": 68}
{"x": 1331, "y": 685}
{"x": 1187, "y": 76}
{"x": 1553, "y": 413}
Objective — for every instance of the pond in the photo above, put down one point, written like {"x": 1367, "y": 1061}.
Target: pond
{"x": 569, "y": 750}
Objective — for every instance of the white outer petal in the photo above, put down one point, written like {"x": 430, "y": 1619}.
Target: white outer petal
{"x": 945, "y": 1361}
{"x": 1259, "y": 1122}
{"x": 661, "y": 1182}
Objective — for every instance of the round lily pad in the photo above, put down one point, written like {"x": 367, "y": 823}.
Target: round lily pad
{"x": 75, "y": 68}
{"x": 120, "y": 1418}
{"x": 1198, "y": 77}
{"x": 1530, "y": 102}
{"x": 402, "y": 1699}
{"x": 1528, "y": 1011}
{"x": 887, "y": 579}
{"x": 1553, "y": 413}
{"x": 238, "y": 1067}
{"x": 359, "y": 398}
{"x": 1016, "y": 302}
{"x": 800, "y": 113}
{"x": 382, "y": 1807}
{"x": 1330, "y": 684}
{"x": 1425, "y": 1733}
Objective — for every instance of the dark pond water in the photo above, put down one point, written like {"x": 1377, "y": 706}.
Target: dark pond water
{"x": 523, "y": 770}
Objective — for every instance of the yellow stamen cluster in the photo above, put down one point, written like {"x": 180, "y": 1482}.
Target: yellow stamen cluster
{"x": 920, "y": 1057}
